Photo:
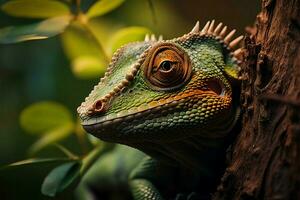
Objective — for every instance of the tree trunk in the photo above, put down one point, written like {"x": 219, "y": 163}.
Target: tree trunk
{"x": 265, "y": 159}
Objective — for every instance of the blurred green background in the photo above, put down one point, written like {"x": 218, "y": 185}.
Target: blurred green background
{"x": 42, "y": 70}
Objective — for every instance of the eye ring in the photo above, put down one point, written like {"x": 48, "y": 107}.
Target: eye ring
{"x": 167, "y": 67}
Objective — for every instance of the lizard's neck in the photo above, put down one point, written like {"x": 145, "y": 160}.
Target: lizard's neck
{"x": 192, "y": 153}
{"x": 195, "y": 151}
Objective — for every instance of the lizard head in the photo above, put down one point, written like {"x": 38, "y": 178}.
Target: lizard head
{"x": 166, "y": 90}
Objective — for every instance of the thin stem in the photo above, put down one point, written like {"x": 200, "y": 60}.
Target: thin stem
{"x": 66, "y": 151}
{"x": 78, "y": 3}
{"x": 152, "y": 10}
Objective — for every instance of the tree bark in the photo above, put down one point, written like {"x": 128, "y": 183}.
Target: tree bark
{"x": 265, "y": 158}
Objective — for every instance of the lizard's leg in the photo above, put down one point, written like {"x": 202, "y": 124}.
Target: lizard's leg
{"x": 143, "y": 189}
{"x": 144, "y": 178}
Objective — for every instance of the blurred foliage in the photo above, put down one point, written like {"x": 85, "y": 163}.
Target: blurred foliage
{"x": 44, "y": 116}
{"x": 103, "y": 7}
{"x": 51, "y": 121}
{"x": 43, "y": 92}
{"x": 60, "y": 178}
{"x": 89, "y": 57}
{"x": 35, "y": 8}
{"x": 42, "y": 30}
{"x": 127, "y": 35}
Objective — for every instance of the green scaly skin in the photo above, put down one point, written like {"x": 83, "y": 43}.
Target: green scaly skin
{"x": 183, "y": 123}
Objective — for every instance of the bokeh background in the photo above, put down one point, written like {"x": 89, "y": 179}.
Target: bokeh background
{"x": 39, "y": 70}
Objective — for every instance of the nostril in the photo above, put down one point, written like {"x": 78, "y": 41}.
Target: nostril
{"x": 98, "y": 106}
{"x": 215, "y": 86}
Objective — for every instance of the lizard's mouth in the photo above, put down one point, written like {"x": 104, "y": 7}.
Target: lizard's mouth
{"x": 141, "y": 111}
{"x": 106, "y": 126}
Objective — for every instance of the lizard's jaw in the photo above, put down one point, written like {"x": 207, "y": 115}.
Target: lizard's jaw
{"x": 133, "y": 124}
{"x": 109, "y": 127}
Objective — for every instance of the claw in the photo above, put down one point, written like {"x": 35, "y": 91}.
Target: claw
{"x": 147, "y": 38}
{"x": 229, "y": 36}
{"x": 196, "y": 28}
{"x": 160, "y": 38}
{"x": 205, "y": 28}
{"x": 153, "y": 38}
{"x": 223, "y": 32}
{"x": 211, "y": 27}
{"x": 235, "y": 42}
{"x": 218, "y": 29}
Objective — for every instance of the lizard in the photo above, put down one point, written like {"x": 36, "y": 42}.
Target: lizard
{"x": 175, "y": 100}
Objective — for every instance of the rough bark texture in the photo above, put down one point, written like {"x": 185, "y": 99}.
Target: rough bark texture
{"x": 265, "y": 160}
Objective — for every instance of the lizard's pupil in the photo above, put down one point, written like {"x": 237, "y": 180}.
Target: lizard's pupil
{"x": 165, "y": 65}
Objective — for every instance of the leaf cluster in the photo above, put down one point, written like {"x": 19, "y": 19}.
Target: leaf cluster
{"x": 83, "y": 43}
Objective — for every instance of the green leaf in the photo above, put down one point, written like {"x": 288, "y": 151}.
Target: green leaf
{"x": 77, "y": 42}
{"x": 42, "y": 30}
{"x": 51, "y": 137}
{"x": 102, "y": 7}
{"x": 60, "y": 178}
{"x": 34, "y": 161}
{"x": 87, "y": 67}
{"x": 69, "y": 174}
{"x": 35, "y": 8}
{"x": 41, "y": 117}
{"x": 127, "y": 35}
{"x": 84, "y": 52}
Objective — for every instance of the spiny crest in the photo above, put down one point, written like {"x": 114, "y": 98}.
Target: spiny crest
{"x": 209, "y": 29}
{"x": 152, "y": 38}
{"x": 220, "y": 32}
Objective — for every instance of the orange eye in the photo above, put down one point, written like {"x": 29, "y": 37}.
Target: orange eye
{"x": 167, "y": 67}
